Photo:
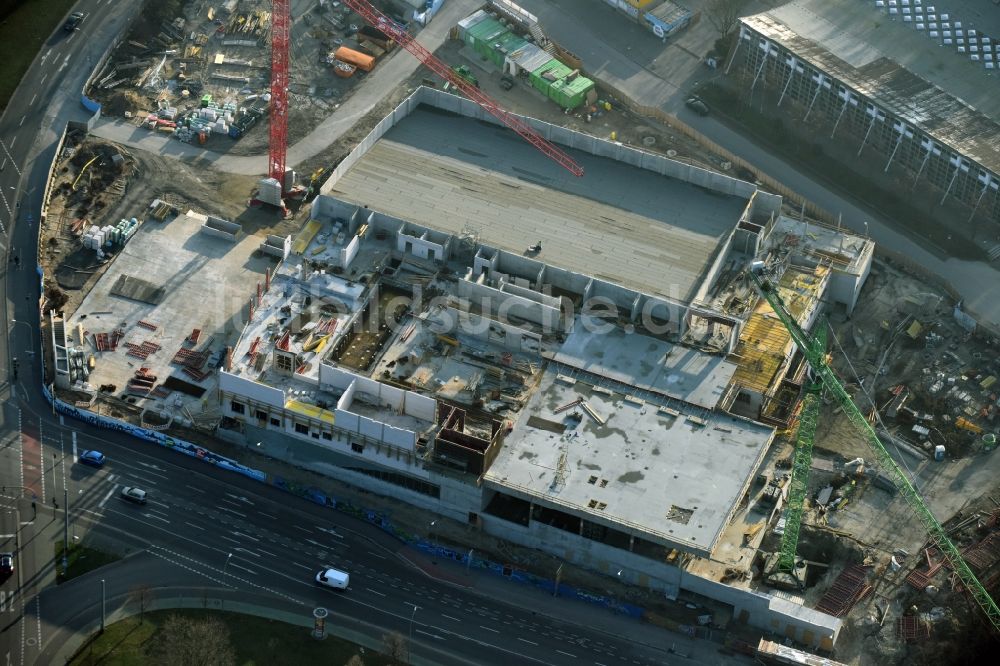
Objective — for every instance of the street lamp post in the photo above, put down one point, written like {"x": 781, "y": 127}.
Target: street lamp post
{"x": 409, "y": 645}
{"x": 102, "y": 605}
{"x": 224, "y": 567}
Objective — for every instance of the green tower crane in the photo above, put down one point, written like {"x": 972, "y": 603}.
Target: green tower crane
{"x": 798, "y": 486}
{"x": 816, "y": 356}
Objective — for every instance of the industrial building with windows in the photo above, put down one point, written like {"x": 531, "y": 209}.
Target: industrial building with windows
{"x": 575, "y": 365}
{"x": 899, "y": 82}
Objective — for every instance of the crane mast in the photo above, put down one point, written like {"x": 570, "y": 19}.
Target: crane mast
{"x": 278, "y": 120}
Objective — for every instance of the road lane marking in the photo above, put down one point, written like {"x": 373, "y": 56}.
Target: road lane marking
{"x": 299, "y": 527}
{"x": 197, "y": 490}
{"x": 236, "y": 566}
{"x": 267, "y": 552}
{"x": 223, "y": 536}
{"x": 242, "y": 499}
{"x": 330, "y": 532}
{"x": 427, "y": 633}
{"x": 107, "y": 497}
{"x": 22, "y": 120}
{"x": 302, "y": 566}
{"x": 241, "y": 515}
{"x": 482, "y": 626}
{"x": 450, "y": 617}
{"x": 525, "y": 640}
{"x": 33, "y": 98}
{"x": 381, "y": 594}
{"x": 381, "y": 557}
{"x": 149, "y": 515}
{"x": 197, "y": 527}
{"x": 567, "y": 654}
{"x": 245, "y": 536}
{"x": 159, "y": 513}
{"x": 267, "y": 515}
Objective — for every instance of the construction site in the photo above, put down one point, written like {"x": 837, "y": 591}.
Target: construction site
{"x": 619, "y": 356}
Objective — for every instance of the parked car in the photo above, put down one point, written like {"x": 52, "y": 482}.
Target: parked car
{"x": 134, "y": 495}
{"x": 697, "y": 105}
{"x": 74, "y": 21}
{"x": 6, "y": 564}
{"x": 92, "y": 458}
{"x": 337, "y": 580}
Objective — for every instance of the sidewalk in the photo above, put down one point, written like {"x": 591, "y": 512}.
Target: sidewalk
{"x": 540, "y": 602}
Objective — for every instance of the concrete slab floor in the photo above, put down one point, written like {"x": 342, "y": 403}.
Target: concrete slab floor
{"x": 207, "y": 282}
{"x": 640, "y": 467}
{"x": 618, "y": 223}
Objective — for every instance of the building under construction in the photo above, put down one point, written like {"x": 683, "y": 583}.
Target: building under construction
{"x": 453, "y": 326}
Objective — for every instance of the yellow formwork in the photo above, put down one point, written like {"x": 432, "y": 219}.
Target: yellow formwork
{"x": 765, "y": 342}
{"x": 312, "y": 411}
{"x": 305, "y": 236}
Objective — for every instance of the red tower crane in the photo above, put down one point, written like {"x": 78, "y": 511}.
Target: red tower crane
{"x": 278, "y": 140}
{"x": 406, "y": 40}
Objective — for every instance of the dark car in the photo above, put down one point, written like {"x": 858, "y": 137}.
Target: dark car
{"x": 73, "y": 22}
{"x": 6, "y": 564}
{"x": 134, "y": 495}
{"x": 697, "y": 105}
{"x": 92, "y": 458}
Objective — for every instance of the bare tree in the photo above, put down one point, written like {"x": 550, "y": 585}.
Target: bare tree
{"x": 141, "y": 595}
{"x": 722, "y": 14}
{"x": 356, "y": 660}
{"x": 396, "y": 647}
{"x": 185, "y": 641}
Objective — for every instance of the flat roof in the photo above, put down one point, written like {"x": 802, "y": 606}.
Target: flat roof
{"x": 203, "y": 282}
{"x": 618, "y": 223}
{"x": 644, "y": 470}
{"x": 926, "y": 83}
{"x": 646, "y": 363}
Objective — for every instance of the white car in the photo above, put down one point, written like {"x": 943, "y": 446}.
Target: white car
{"x": 337, "y": 580}
{"x": 134, "y": 495}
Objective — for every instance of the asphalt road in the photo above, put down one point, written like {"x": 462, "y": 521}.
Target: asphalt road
{"x": 223, "y": 533}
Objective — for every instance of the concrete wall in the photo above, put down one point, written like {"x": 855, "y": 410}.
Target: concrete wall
{"x": 422, "y": 247}
{"x": 505, "y": 305}
{"x": 348, "y": 253}
{"x": 251, "y": 389}
{"x": 845, "y": 287}
{"x": 572, "y": 139}
{"x": 807, "y": 626}
{"x": 591, "y": 554}
{"x": 276, "y": 246}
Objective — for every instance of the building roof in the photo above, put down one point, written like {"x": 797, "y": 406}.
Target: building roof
{"x": 618, "y": 223}
{"x": 670, "y": 479}
{"x": 927, "y": 84}
{"x": 645, "y": 363}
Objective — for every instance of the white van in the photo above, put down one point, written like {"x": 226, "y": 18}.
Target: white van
{"x": 332, "y": 578}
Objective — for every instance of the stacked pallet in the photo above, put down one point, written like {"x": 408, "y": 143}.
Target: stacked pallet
{"x": 141, "y": 382}
{"x": 143, "y": 350}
